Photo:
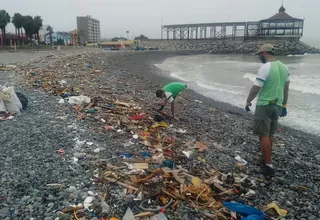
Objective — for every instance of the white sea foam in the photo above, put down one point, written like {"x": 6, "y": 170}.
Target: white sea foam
{"x": 304, "y": 84}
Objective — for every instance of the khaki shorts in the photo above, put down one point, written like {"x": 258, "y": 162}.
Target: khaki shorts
{"x": 266, "y": 120}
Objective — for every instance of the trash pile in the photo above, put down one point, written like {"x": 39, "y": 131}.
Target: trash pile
{"x": 11, "y": 103}
{"x": 152, "y": 177}
{"x": 63, "y": 76}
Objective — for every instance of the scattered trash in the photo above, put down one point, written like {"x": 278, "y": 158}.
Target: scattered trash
{"x": 88, "y": 202}
{"x": 182, "y": 131}
{"x": 242, "y": 161}
{"x": 198, "y": 101}
{"x": 61, "y": 101}
{"x": 159, "y": 216}
{"x": 150, "y": 171}
{"x": 250, "y": 193}
{"x": 274, "y": 206}
{"x": 138, "y": 117}
{"x": 249, "y": 212}
{"x": 129, "y": 215}
{"x": 10, "y": 100}
{"x": 79, "y": 100}
{"x": 187, "y": 153}
{"x": 160, "y": 124}
{"x": 105, "y": 207}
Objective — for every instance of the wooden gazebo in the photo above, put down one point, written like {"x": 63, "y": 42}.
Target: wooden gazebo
{"x": 281, "y": 25}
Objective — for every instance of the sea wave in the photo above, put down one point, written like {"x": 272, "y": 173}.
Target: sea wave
{"x": 302, "y": 55}
{"x": 304, "y": 84}
{"x": 235, "y": 90}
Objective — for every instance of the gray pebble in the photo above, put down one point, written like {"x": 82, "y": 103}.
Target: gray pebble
{"x": 288, "y": 203}
{"x": 25, "y": 198}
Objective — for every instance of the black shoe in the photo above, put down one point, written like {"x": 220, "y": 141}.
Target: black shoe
{"x": 267, "y": 171}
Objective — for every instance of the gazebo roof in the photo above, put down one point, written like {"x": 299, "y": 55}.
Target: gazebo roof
{"x": 282, "y": 15}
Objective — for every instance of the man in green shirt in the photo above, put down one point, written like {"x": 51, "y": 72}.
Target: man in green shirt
{"x": 173, "y": 93}
{"x": 272, "y": 87}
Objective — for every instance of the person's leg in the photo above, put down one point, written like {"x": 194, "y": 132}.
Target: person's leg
{"x": 271, "y": 140}
{"x": 261, "y": 128}
{"x": 266, "y": 149}
{"x": 178, "y": 102}
{"x": 177, "y": 107}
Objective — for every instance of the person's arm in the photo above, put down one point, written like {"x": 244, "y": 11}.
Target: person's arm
{"x": 253, "y": 93}
{"x": 286, "y": 93}
{"x": 163, "y": 104}
{"x": 285, "y": 99}
{"x": 258, "y": 84}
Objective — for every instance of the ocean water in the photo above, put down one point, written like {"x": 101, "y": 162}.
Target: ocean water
{"x": 229, "y": 78}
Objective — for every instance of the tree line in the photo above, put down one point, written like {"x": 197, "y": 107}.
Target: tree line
{"x": 30, "y": 25}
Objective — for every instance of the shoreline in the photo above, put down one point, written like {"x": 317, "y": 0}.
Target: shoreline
{"x": 133, "y": 76}
{"x": 163, "y": 77}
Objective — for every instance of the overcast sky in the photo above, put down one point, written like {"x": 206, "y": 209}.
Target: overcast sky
{"x": 146, "y": 16}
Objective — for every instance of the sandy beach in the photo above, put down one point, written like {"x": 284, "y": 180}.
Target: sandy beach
{"x": 29, "y": 160}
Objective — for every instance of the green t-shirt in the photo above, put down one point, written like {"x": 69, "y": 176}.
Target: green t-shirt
{"x": 172, "y": 89}
{"x": 272, "y": 78}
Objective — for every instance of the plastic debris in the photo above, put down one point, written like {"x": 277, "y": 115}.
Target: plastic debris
{"x": 79, "y": 100}
{"x": 160, "y": 124}
{"x": 242, "y": 161}
{"x": 182, "y": 131}
{"x": 281, "y": 212}
{"x": 61, "y": 101}
{"x": 198, "y": 101}
{"x": 249, "y": 212}
{"x": 138, "y": 117}
{"x": 159, "y": 216}
{"x": 105, "y": 207}
{"x": 129, "y": 215}
{"x": 88, "y": 202}
{"x": 107, "y": 127}
{"x": 187, "y": 153}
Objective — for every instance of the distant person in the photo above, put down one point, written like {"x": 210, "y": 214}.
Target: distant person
{"x": 173, "y": 93}
{"x": 272, "y": 88}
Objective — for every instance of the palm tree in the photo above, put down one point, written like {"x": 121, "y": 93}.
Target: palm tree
{"x": 38, "y": 22}
{"x": 4, "y": 20}
{"x": 29, "y": 26}
{"x": 50, "y": 30}
{"x": 17, "y": 21}
{"x": 127, "y": 34}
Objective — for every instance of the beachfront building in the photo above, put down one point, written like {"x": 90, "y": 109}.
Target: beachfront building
{"x": 74, "y": 39}
{"x": 59, "y": 36}
{"x": 280, "y": 25}
{"x": 89, "y": 29}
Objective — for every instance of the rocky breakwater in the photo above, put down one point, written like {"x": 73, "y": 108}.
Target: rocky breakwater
{"x": 283, "y": 47}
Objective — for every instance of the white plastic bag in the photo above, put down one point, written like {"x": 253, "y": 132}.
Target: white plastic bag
{"x": 2, "y": 106}
{"x": 13, "y": 104}
{"x": 79, "y": 100}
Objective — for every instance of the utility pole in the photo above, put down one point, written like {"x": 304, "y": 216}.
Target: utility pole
{"x": 15, "y": 44}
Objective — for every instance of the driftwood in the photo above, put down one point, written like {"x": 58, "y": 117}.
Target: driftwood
{"x": 72, "y": 209}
